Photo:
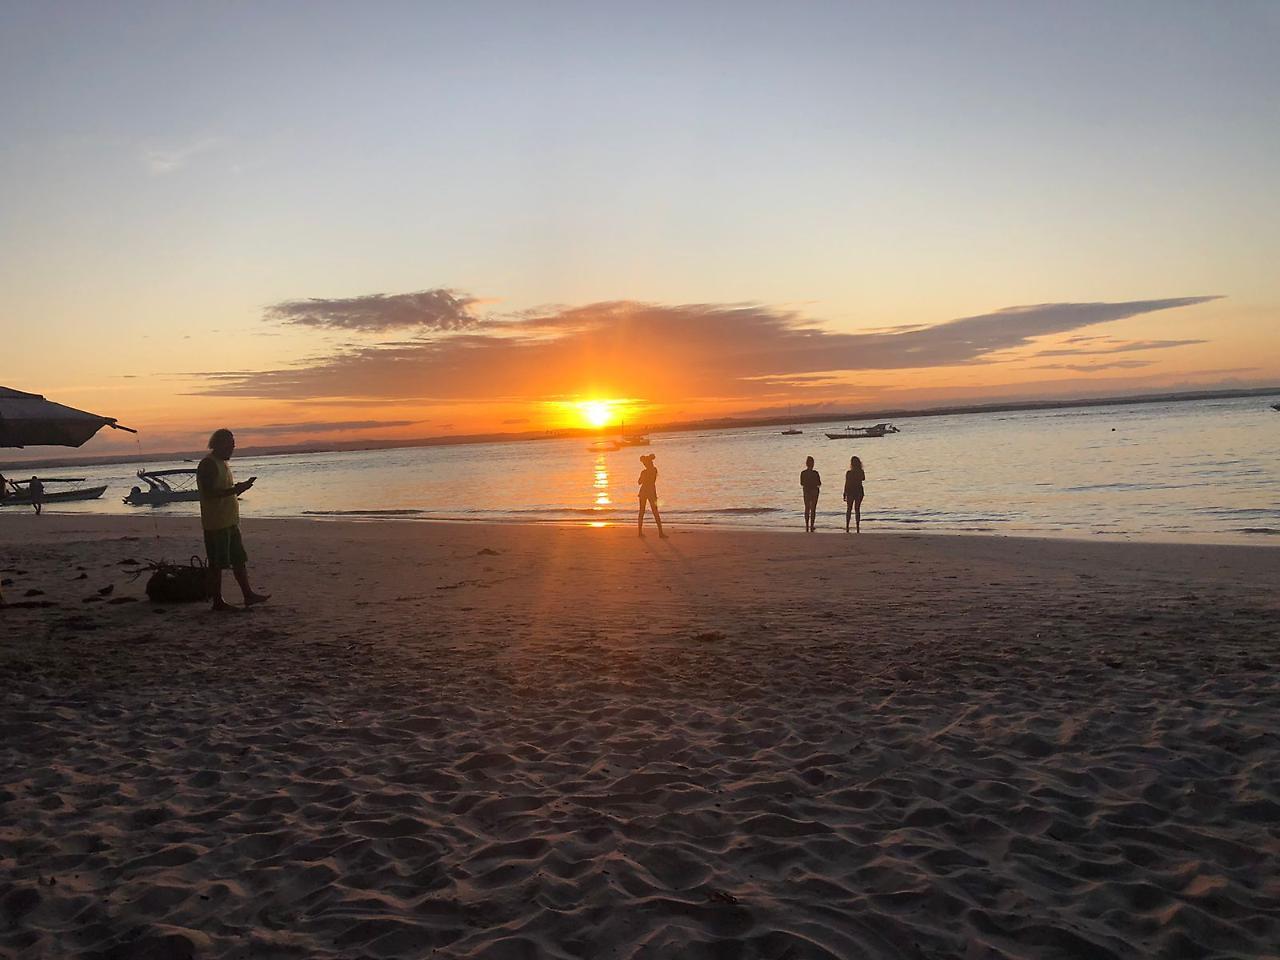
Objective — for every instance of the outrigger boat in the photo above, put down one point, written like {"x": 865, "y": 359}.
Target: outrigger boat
{"x": 21, "y": 494}
{"x": 864, "y": 433}
{"x": 164, "y": 486}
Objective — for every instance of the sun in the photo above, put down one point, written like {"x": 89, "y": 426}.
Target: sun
{"x": 596, "y": 412}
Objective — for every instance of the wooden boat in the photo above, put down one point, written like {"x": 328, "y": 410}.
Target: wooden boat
{"x": 164, "y": 486}
{"x": 864, "y": 433}
{"x": 21, "y": 496}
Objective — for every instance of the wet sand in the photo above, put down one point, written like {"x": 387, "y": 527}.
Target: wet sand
{"x": 522, "y": 741}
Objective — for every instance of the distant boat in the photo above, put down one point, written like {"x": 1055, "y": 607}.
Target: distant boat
{"x": 164, "y": 486}
{"x": 1275, "y": 406}
{"x": 791, "y": 431}
{"x": 864, "y": 433}
{"x": 21, "y": 494}
{"x": 604, "y": 446}
{"x": 631, "y": 439}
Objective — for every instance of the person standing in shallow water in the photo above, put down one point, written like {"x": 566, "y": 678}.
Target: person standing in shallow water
{"x": 811, "y": 485}
{"x": 649, "y": 494}
{"x": 853, "y": 493}
{"x": 220, "y": 517}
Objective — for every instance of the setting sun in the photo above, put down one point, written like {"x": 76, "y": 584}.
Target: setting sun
{"x": 597, "y": 413}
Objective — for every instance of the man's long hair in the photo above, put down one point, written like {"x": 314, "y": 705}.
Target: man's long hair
{"x": 217, "y": 435}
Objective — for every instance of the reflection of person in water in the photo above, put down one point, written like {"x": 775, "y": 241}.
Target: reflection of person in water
{"x": 853, "y": 493}
{"x": 649, "y": 494}
{"x": 811, "y": 484}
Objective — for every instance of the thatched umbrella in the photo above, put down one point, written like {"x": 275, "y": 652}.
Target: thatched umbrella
{"x": 29, "y": 420}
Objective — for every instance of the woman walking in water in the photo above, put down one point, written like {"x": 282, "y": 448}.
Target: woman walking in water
{"x": 649, "y": 494}
{"x": 853, "y": 493}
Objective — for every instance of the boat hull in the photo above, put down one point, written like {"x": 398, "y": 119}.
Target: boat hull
{"x": 66, "y": 496}
{"x": 156, "y": 499}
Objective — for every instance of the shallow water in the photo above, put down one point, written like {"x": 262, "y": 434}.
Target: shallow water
{"x": 1204, "y": 470}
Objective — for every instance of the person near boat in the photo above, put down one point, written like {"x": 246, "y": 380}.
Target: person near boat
{"x": 811, "y": 485}
{"x": 648, "y": 482}
{"x": 853, "y": 493}
{"x": 36, "y": 491}
{"x": 220, "y": 518}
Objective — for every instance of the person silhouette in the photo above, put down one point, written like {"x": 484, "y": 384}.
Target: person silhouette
{"x": 220, "y": 518}
{"x": 649, "y": 494}
{"x": 811, "y": 484}
{"x": 853, "y": 493}
{"x": 35, "y": 488}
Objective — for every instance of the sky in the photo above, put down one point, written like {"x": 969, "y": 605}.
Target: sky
{"x": 319, "y": 221}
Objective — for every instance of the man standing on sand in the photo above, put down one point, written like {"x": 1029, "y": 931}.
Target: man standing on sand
{"x": 811, "y": 484}
{"x": 220, "y": 517}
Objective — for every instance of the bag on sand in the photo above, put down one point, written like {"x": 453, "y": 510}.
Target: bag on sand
{"x": 171, "y": 583}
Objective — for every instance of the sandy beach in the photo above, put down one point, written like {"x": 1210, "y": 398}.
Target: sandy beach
{"x": 534, "y": 741}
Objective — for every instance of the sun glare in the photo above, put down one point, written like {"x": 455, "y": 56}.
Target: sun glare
{"x": 596, "y": 412}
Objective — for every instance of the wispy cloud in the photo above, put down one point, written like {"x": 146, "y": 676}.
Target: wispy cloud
{"x": 1104, "y": 345}
{"x": 162, "y": 160}
{"x": 426, "y": 310}
{"x": 626, "y": 348}
{"x": 1093, "y": 367}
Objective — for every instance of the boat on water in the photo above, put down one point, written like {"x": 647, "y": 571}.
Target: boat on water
{"x": 164, "y": 486}
{"x": 20, "y": 494}
{"x": 1275, "y": 406}
{"x": 864, "y": 433}
{"x": 604, "y": 446}
{"x": 792, "y": 432}
{"x": 631, "y": 439}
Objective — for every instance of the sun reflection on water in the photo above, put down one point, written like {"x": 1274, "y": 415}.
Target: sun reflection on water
{"x": 601, "y": 485}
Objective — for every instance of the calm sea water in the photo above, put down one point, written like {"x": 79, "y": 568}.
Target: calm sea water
{"x": 1205, "y": 470}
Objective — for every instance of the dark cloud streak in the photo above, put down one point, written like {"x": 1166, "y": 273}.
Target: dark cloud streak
{"x": 625, "y": 348}
{"x": 438, "y": 309}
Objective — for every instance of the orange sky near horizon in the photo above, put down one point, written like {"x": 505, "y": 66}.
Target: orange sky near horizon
{"x": 173, "y": 417}
{"x": 420, "y": 235}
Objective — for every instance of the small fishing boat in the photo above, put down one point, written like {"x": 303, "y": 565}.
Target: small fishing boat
{"x": 631, "y": 439}
{"x": 21, "y": 495}
{"x": 164, "y": 486}
{"x": 864, "y": 433}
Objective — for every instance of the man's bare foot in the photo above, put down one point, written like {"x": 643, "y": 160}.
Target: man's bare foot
{"x": 663, "y": 536}
{"x": 221, "y": 606}
{"x": 251, "y": 598}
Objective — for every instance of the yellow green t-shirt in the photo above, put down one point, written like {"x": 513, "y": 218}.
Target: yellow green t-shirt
{"x": 218, "y": 513}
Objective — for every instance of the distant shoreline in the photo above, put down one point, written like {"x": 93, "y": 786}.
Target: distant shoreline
{"x": 718, "y": 423}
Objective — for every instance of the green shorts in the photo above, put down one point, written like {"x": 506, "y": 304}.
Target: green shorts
{"x": 224, "y": 548}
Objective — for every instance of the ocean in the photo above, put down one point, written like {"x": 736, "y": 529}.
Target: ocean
{"x": 1205, "y": 470}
